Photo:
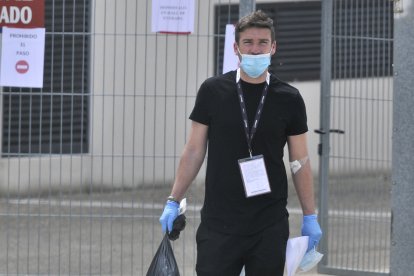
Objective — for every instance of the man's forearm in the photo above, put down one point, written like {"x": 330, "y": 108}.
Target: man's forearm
{"x": 303, "y": 181}
{"x": 188, "y": 169}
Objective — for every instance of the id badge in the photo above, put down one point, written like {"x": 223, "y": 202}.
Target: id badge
{"x": 254, "y": 175}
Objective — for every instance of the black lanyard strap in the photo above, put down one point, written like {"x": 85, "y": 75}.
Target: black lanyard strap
{"x": 250, "y": 132}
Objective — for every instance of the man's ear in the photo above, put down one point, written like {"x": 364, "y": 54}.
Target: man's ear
{"x": 273, "y": 48}
{"x": 236, "y": 48}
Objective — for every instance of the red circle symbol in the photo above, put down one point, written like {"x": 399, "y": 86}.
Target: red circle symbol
{"x": 22, "y": 66}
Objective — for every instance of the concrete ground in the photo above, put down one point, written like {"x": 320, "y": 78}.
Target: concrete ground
{"x": 100, "y": 233}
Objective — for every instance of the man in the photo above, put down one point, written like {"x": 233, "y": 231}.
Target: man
{"x": 245, "y": 118}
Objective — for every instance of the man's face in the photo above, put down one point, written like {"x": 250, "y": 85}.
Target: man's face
{"x": 255, "y": 41}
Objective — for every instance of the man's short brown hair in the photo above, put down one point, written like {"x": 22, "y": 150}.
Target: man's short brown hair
{"x": 257, "y": 19}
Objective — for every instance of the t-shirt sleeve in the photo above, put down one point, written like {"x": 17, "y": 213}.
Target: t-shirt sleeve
{"x": 298, "y": 123}
{"x": 202, "y": 108}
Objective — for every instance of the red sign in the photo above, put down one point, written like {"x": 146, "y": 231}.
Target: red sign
{"x": 22, "y": 13}
{"x": 22, "y": 66}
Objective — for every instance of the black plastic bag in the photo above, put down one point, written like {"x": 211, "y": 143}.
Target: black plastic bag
{"x": 164, "y": 263}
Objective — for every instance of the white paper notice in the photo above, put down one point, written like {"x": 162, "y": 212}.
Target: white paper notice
{"x": 22, "y": 57}
{"x": 173, "y": 16}
{"x": 230, "y": 60}
{"x": 295, "y": 250}
{"x": 254, "y": 176}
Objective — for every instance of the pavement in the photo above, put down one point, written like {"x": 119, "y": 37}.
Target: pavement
{"x": 101, "y": 233}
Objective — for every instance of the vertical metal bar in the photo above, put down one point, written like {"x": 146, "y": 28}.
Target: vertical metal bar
{"x": 376, "y": 127}
{"x": 365, "y": 107}
{"x": 186, "y": 111}
{"x": 359, "y": 142}
{"x": 326, "y": 52}
{"x": 364, "y": 75}
{"x": 19, "y": 142}
{"x": 29, "y": 215}
{"x": 380, "y": 114}
{"x": 371, "y": 137}
{"x": 154, "y": 133}
{"x": 41, "y": 98}
{"x": 60, "y": 218}
{"x": 113, "y": 136}
{"x": 102, "y": 157}
{"x": 339, "y": 93}
{"x": 82, "y": 99}
{"x": 246, "y": 7}
{"x": 164, "y": 120}
{"x": 123, "y": 136}
{"x": 134, "y": 133}
{"x": 348, "y": 9}
{"x": 175, "y": 109}
{"x": 389, "y": 74}
{"x": 354, "y": 124}
{"x": 50, "y": 135}
{"x": 335, "y": 87}
{"x": 354, "y": 76}
{"x": 71, "y": 153}
{"x": 8, "y": 183}
{"x": 144, "y": 119}
{"x": 386, "y": 144}
{"x": 91, "y": 104}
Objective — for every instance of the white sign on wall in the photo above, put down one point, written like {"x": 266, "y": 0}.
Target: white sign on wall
{"x": 173, "y": 16}
{"x": 22, "y": 57}
{"x": 230, "y": 59}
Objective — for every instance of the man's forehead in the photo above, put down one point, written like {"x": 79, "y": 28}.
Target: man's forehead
{"x": 256, "y": 33}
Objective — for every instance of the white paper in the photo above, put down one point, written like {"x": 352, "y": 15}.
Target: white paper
{"x": 173, "y": 16}
{"x": 230, "y": 59}
{"x": 254, "y": 175}
{"x": 295, "y": 250}
{"x": 183, "y": 206}
{"x": 22, "y": 57}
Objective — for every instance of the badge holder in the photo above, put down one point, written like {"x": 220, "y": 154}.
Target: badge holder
{"x": 254, "y": 176}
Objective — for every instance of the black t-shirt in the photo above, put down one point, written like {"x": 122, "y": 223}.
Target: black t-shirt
{"x": 226, "y": 207}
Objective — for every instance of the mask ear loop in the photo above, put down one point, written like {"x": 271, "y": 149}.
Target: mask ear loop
{"x": 240, "y": 55}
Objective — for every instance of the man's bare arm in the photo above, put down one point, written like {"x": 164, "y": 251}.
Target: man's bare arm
{"x": 191, "y": 159}
{"x": 302, "y": 178}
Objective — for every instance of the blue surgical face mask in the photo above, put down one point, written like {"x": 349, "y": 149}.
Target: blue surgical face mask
{"x": 310, "y": 260}
{"x": 254, "y": 65}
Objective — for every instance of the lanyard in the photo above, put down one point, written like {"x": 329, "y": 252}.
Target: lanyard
{"x": 250, "y": 132}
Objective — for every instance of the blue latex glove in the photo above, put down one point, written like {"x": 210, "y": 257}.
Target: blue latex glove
{"x": 311, "y": 228}
{"x": 170, "y": 213}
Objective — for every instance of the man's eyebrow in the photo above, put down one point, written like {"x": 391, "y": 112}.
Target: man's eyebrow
{"x": 251, "y": 39}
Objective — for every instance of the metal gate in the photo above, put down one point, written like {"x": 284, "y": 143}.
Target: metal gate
{"x": 355, "y": 149}
{"x": 88, "y": 160}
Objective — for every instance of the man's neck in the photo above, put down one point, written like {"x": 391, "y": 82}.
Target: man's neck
{"x": 246, "y": 78}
